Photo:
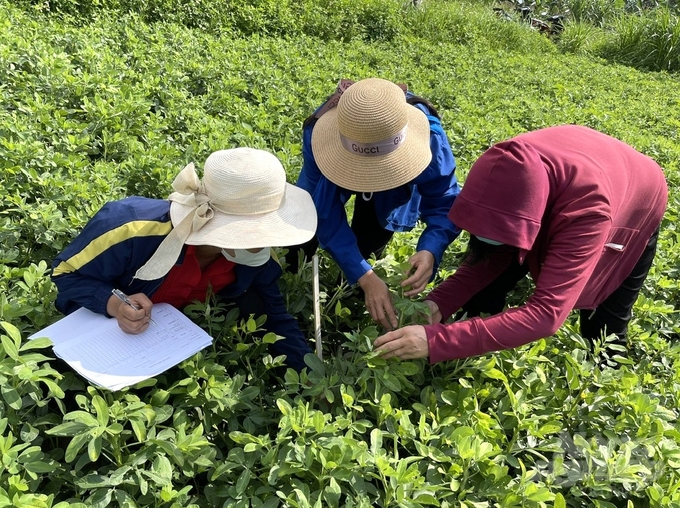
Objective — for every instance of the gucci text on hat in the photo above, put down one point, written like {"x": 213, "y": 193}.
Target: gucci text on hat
{"x": 373, "y": 140}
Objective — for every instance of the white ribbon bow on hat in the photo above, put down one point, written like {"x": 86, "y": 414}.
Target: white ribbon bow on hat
{"x": 189, "y": 190}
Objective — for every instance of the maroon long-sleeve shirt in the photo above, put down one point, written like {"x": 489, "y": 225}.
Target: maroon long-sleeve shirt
{"x": 579, "y": 205}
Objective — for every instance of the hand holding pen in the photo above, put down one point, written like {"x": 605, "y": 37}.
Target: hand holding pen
{"x": 133, "y": 313}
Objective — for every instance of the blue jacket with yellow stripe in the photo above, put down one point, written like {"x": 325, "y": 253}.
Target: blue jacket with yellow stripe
{"x": 122, "y": 236}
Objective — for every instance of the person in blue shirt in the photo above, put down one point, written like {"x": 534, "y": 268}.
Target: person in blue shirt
{"x": 380, "y": 143}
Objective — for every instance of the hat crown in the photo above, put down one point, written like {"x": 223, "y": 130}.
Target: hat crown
{"x": 242, "y": 202}
{"x": 372, "y": 110}
{"x": 246, "y": 176}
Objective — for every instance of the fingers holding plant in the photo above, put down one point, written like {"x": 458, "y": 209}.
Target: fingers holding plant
{"x": 406, "y": 343}
{"x": 435, "y": 315}
{"x": 419, "y": 272}
{"x": 378, "y": 300}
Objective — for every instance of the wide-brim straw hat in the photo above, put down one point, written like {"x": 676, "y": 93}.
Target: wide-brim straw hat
{"x": 242, "y": 202}
{"x": 373, "y": 140}
{"x": 260, "y": 209}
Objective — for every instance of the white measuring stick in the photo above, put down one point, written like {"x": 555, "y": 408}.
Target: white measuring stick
{"x": 317, "y": 305}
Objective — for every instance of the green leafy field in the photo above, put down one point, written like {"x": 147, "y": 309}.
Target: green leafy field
{"x": 112, "y": 106}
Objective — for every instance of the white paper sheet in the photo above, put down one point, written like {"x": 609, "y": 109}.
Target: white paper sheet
{"x": 101, "y": 352}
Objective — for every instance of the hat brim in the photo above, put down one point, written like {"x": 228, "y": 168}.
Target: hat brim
{"x": 371, "y": 174}
{"x": 293, "y": 223}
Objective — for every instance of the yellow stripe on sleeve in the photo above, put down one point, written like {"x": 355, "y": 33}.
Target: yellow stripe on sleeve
{"x": 128, "y": 230}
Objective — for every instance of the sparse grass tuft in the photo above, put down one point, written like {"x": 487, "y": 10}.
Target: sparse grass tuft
{"x": 581, "y": 38}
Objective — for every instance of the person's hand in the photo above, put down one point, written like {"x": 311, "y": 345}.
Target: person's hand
{"x": 422, "y": 266}
{"x": 131, "y": 320}
{"x": 405, "y": 343}
{"x": 435, "y": 314}
{"x": 378, "y": 300}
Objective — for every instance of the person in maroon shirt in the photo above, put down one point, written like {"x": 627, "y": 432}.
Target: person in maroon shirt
{"x": 576, "y": 209}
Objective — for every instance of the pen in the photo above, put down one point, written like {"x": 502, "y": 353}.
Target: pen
{"x": 124, "y": 298}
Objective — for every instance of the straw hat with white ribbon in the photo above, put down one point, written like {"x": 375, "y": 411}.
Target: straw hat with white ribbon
{"x": 242, "y": 202}
{"x": 373, "y": 140}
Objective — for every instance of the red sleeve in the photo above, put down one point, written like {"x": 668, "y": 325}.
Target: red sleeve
{"x": 569, "y": 264}
{"x": 469, "y": 280}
